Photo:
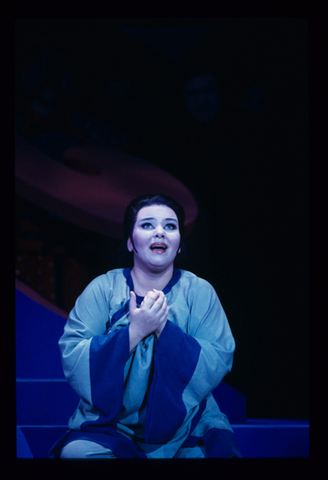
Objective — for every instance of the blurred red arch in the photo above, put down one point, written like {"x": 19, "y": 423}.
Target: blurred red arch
{"x": 93, "y": 186}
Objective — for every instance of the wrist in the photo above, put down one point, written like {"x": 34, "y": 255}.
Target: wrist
{"x": 159, "y": 330}
{"x": 134, "y": 337}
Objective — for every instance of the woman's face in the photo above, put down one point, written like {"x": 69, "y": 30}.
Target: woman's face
{"x": 156, "y": 238}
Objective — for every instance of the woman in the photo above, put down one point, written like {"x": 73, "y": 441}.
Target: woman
{"x": 143, "y": 348}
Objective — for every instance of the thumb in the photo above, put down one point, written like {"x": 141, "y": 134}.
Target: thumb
{"x": 133, "y": 301}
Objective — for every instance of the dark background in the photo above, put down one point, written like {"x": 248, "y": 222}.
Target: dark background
{"x": 248, "y": 171}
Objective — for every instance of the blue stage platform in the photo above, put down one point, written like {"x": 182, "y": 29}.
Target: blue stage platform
{"x": 45, "y": 401}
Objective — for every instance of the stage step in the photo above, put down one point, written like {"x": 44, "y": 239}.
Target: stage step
{"x": 256, "y": 438}
{"x": 44, "y": 402}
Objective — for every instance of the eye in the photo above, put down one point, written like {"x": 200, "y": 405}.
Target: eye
{"x": 171, "y": 226}
{"x": 146, "y": 226}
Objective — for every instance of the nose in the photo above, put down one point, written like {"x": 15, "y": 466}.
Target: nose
{"x": 159, "y": 232}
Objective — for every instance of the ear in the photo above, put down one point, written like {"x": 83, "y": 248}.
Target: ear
{"x": 129, "y": 245}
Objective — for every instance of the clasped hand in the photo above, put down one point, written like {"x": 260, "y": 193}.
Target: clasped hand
{"x": 150, "y": 318}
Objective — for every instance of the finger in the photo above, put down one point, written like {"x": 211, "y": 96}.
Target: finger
{"x": 150, "y": 299}
{"x": 133, "y": 301}
{"x": 166, "y": 312}
{"x": 155, "y": 293}
{"x": 159, "y": 304}
{"x": 161, "y": 298}
{"x": 151, "y": 295}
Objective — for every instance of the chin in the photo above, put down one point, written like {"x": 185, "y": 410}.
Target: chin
{"x": 160, "y": 264}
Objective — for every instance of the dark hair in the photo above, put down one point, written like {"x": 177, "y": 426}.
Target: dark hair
{"x": 131, "y": 213}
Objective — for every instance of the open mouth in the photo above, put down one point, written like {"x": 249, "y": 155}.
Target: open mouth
{"x": 158, "y": 247}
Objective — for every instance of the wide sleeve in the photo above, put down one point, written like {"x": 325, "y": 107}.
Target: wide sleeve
{"x": 209, "y": 326}
{"x": 188, "y": 363}
{"x": 93, "y": 363}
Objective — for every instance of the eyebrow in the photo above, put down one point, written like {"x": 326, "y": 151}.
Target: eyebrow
{"x": 152, "y": 218}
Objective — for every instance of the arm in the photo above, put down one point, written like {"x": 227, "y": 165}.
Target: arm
{"x": 93, "y": 363}
{"x": 188, "y": 366}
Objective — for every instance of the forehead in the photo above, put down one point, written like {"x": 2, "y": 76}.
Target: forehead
{"x": 159, "y": 212}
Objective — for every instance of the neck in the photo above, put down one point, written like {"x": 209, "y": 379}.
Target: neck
{"x": 145, "y": 281}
